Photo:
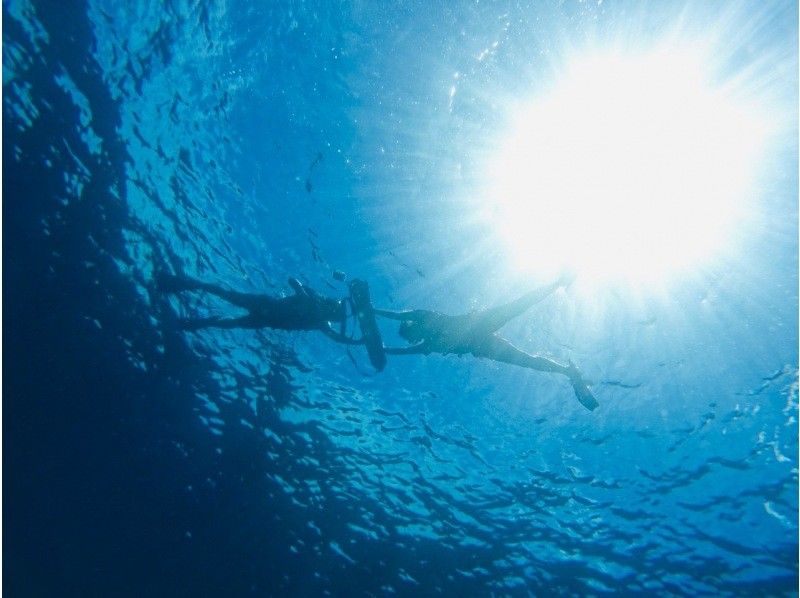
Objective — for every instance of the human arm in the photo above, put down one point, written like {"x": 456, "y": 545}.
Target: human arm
{"x": 411, "y": 350}
{"x": 566, "y": 278}
{"x": 412, "y": 315}
{"x": 339, "y": 337}
{"x": 297, "y": 287}
{"x": 537, "y": 295}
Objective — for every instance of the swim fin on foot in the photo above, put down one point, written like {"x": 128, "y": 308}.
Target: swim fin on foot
{"x": 585, "y": 396}
{"x": 582, "y": 392}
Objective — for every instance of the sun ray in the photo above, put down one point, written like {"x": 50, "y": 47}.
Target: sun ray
{"x": 633, "y": 166}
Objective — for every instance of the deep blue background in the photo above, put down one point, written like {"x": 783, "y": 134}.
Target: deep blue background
{"x": 139, "y": 460}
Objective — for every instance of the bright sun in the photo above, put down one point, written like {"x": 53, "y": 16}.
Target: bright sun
{"x": 629, "y": 168}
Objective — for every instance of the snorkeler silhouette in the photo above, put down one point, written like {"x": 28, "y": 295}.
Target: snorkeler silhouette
{"x": 476, "y": 333}
{"x": 430, "y": 331}
{"x": 304, "y": 310}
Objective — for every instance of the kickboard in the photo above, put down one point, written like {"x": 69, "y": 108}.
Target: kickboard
{"x": 359, "y": 293}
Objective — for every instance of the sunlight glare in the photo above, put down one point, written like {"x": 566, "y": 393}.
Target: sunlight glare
{"x": 630, "y": 167}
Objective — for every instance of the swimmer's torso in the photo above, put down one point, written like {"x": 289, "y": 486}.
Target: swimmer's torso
{"x": 453, "y": 334}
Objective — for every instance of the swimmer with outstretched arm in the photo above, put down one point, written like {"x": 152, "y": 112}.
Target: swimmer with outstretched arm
{"x": 476, "y": 333}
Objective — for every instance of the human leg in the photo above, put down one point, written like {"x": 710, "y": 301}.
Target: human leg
{"x": 499, "y": 349}
{"x": 247, "y": 321}
{"x": 169, "y": 283}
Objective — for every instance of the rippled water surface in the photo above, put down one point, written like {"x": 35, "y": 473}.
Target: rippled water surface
{"x": 244, "y": 143}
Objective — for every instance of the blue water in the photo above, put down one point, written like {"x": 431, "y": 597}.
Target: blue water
{"x": 244, "y": 143}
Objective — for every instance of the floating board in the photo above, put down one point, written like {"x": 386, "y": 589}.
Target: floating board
{"x": 359, "y": 293}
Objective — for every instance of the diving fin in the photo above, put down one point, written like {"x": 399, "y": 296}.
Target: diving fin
{"x": 371, "y": 334}
{"x": 582, "y": 392}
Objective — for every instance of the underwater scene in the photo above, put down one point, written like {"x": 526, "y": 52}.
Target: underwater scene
{"x": 417, "y": 298}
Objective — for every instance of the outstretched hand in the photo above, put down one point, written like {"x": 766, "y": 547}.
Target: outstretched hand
{"x": 566, "y": 278}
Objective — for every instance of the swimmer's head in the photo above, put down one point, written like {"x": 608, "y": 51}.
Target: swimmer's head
{"x": 411, "y": 331}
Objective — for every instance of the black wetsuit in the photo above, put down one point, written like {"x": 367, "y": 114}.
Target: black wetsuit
{"x": 304, "y": 310}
